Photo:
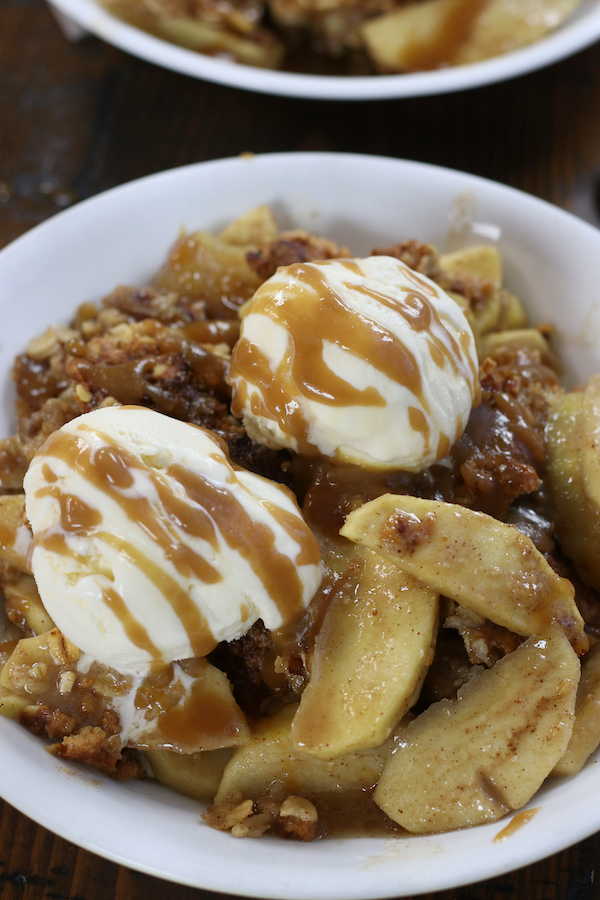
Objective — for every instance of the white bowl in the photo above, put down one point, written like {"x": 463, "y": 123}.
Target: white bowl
{"x": 581, "y": 30}
{"x": 361, "y": 201}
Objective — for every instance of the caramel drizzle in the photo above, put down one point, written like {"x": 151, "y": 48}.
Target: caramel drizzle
{"x": 194, "y": 510}
{"x": 134, "y": 630}
{"x": 255, "y": 541}
{"x": 201, "y": 717}
{"x": 517, "y": 822}
{"x": 422, "y": 316}
{"x": 303, "y": 373}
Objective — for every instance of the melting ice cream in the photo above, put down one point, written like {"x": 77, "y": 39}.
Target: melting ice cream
{"x": 149, "y": 546}
{"x": 362, "y": 361}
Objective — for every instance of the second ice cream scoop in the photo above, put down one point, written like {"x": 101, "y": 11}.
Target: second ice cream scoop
{"x": 359, "y": 360}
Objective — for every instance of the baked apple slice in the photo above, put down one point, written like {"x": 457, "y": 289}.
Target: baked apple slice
{"x": 472, "y": 759}
{"x": 370, "y": 658}
{"x": 573, "y": 472}
{"x": 586, "y": 730}
{"x": 484, "y": 565}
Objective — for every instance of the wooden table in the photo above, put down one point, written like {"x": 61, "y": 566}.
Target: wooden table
{"x": 77, "y": 118}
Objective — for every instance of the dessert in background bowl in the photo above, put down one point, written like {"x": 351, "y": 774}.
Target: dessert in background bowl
{"x": 350, "y": 37}
{"x": 545, "y": 252}
{"x": 348, "y": 50}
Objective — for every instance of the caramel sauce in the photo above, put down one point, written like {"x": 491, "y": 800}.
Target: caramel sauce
{"x": 444, "y": 446}
{"x": 212, "y": 331}
{"x": 7, "y": 647}
{"x": 421, "y": 316}
{"x": 76, "y": 517}
{"x": 441, "y": 49}
{"x": 126, "y": 382}
{"x": 254, "y": 541}
{"x": 134, "y": 630}
{"x": 202, "y": 716}
{"x": 436, "y": 355}
{"x": 465, "y": 343}
{"x": 113, "y": 467}
{"x": 37, "y": 382}
{"x": 419, "y": 423}
{"x": 188, "y": 722}
{"x": 193, "y": 621}
{"x": 300, "y": 635}
{"x": 56, "y": 542}
{"x": 352, "y": 814}
{"x": 333, "y": 491}
{"x": 308, "y": 555}
{"x": 516, "y": 823}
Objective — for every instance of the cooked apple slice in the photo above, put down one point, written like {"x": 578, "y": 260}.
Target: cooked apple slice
{"x": 15, "y": 534}
{"x": 34, "y": 663}
{"x": 272, "y": 757}
{"x": 436, "y": 33}
{"x": 252, "y": 229}
{"x": 206, "y": 267}
{"x": 371, "y": 655}
{"x": 483, "y": 564}
{"x": 503, "y": 25}
{"x": 24, "y": 607}
{"x": 531, "y": 338}
{"x": 482, "y": 260}
{"x": 574, "y": 478}
{"x": 10, "y": 704}
{"x": 193, "y": 774}
{"x": 419, "y": 35}
{"x": 501, "y": 309}
{"x": 262, "y": 50}
{"x": 513, "y": 313}
{"x": 472, "y": 759}
{"x": 586, "y": 730}
{"x": 590, "y": 457}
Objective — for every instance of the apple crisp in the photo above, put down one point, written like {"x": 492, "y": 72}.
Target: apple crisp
{"x": 434, "y": 681}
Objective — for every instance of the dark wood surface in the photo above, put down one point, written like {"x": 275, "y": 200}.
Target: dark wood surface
{"x": 77, "y": 118}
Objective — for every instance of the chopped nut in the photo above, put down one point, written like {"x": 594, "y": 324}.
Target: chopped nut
{"x": 38, "y": 670}
{"x": 66, "y": 682}
{"x": 83, "y": 394}
{"x": 61, "y": 648}
{"x": 253, "y": 826}
{"x": 299, "y": 808}
{"x": 122, "y": 333}
{"x": 44, "y": 346}
{"x": 222, "y": 350}
{"x": 108, "y": 318}
{"x": 47, "y": 344}
{"x": 224, "y": 816}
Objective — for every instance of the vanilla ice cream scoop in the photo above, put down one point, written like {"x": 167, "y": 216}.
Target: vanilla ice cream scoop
{"x": 149, "y": 546}
{"x": 360, "y": 360}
